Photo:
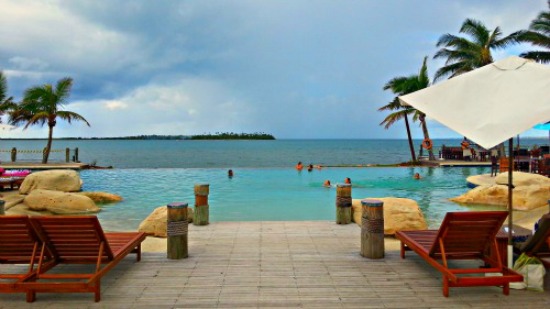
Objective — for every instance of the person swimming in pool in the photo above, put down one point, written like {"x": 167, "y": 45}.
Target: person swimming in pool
{"x": 417, "y": 176}
{"x": 230, "y": 173}
{"x": 299, "y": 166}
{"x": 326, "y": 184}
{"x": 347, "y": 181}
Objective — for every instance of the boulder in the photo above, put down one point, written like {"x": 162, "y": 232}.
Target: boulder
{"x": 523, "y": 179}
{"x": 102, "y": 197}
{"x": 155, "y": 223}
{"x": 59, "y": 202}
{"x": 524, "y": 197}
{"x": 58, "y": 180}
{"x": 400, "y": 214}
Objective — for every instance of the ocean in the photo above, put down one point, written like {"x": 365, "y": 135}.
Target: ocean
{"x": 149, "y": 174}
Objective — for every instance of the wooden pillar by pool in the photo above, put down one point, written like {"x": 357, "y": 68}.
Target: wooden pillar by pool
{"x": 343, "y": 204}
{"x": 13, "y": 154}
{"x": 372, "y": 228}
{"x": 2, "y": 211}
{"x": 201, "y": 216}
{"x": 176, "y": 230}
{"x": 67, "y": 154}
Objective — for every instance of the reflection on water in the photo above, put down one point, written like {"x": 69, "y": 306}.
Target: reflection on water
{"x": 272, "y": 194}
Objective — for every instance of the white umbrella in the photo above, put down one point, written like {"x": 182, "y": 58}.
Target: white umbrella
{"x": 490, "y": 105}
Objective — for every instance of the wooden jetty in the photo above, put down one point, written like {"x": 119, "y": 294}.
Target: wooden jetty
{"x": 41, "y": 166}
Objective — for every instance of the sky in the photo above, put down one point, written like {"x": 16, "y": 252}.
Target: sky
{"x": 291, "y": 68}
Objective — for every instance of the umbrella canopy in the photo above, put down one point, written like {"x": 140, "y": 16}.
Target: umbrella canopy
{"x": 490, "y": 105}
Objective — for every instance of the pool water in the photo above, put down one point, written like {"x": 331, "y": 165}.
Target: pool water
{"x": 272, "y": 194}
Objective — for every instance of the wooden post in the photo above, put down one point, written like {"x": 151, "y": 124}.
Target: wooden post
{"x": 67, "y": 154}
{"x": 372, "y": 228}
{"x": 176, "y": 230}
{"x": 76, "y": 154}
{"x": 343, "y": 204}
{"x": 201, "y": 216}
{"x": 13, "y": 154}
{"x": 2, "y": 211}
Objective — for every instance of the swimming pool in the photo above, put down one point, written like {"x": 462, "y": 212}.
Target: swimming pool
{"x": 272, "y": 194}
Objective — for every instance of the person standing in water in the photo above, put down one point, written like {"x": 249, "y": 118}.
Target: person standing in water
{"x": 299, "y": 166}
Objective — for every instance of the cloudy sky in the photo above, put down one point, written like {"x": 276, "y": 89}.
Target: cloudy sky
{"x": 295, "y": 69}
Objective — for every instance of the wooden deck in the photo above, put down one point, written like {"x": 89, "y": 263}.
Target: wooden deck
{"x": 457, "y": 163}
{"x": 40, "y": 166}
{"x": 279, "y": 264}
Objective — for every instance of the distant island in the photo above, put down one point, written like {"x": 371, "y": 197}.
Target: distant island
{"x": 216, "y": 136}
{"x": 241, "y": 136}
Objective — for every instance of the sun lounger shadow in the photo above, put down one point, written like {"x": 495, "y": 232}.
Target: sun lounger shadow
{"x": 463, "y": 236}
{"x": 76, "y": 240}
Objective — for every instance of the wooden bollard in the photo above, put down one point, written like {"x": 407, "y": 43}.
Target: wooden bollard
{"x": 2, "y": 211}
{"x": 13, "y": 154}
{"x": 67, "y": 154}
{"x": 176, "y": 230}
{"x": 372, "y": 228}
{"x": 343, "y": 204}
{"x": 201, "y": 216}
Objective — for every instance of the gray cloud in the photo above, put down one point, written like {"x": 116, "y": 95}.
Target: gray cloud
{"x": 291, "y": 68}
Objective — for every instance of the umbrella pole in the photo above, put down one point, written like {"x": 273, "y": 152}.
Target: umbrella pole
{"x": 510, "y": 208}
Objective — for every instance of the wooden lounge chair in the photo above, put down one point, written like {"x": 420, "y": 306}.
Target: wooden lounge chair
{"x": 79, "y": 240}
{"x": 19, "y": 244}
{"x": 464, "y": 236}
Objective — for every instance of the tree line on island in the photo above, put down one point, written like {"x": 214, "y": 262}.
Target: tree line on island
{"x": 208, "y": 136}
{"x": 463, "y": 54}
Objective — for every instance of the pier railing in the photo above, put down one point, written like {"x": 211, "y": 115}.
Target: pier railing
{"x": 71, "y": 155}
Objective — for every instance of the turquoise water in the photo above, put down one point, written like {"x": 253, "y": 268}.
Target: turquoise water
{"x": 273, "y": 194}
{"x": 149, "y": 174}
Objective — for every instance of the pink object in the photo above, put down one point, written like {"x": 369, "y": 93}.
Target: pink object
{"x": 16, "y": 173}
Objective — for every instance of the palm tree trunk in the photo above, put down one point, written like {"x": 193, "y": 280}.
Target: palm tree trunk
{"x": 411, "y": 146}
{"x": 427, "y": 136}
{"x": 48, "y": 146}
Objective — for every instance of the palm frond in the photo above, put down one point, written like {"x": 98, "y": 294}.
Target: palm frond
{"x": 71, "y": 116}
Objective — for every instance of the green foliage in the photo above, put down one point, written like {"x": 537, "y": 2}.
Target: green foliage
{"x": 466, "y": 54}
{"x": 539, "y": 36}
{"x": 233, "y": 136}
{"x": 41, "y": 105}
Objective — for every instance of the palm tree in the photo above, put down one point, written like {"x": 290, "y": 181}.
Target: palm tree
{"x": 538, "y": 35}
{"x": 401, "y": 86}
{"x": 6, "y": 103}
{"x": 464, "y": 55}
{"x": 401, "y": 113}
{"x": 41, "y": 105}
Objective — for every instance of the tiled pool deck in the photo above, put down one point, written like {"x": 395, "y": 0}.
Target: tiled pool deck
{"x": 279, "y": 265}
